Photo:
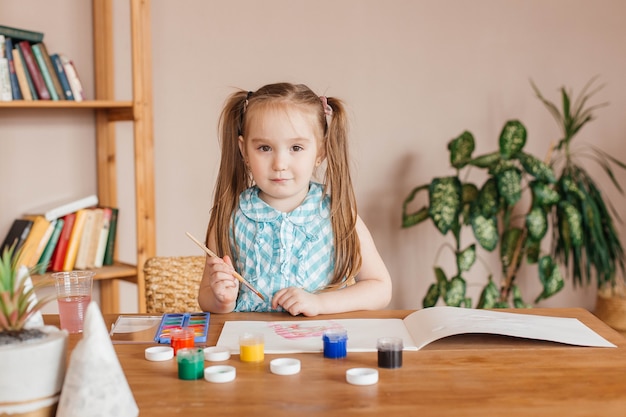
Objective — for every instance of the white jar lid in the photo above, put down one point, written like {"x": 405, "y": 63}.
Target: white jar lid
{"x": 220, "y": 373}
{"x": 216, "y": 354}
{"x": 362, "y": 376}
{"x": 159, "y": 353}
{"x": 285, "y": 366}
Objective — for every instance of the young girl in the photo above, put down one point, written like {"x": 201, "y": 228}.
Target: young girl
{"x": 299, "y": 243}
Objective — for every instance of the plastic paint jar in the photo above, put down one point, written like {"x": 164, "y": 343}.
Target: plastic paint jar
{"x": 335, "y": 343}
{"x": 182, "y": 337}
{"x": 390, "y": 352}
{"x": 190, "y": 363}
{"x": 251, "y": 347}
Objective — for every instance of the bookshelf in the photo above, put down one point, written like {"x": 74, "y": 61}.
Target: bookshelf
{"x": 107, "y": 113}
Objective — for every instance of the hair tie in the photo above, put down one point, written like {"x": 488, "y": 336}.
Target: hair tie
{"x": 328, "y": 111}
{"x": 243, "y": 112}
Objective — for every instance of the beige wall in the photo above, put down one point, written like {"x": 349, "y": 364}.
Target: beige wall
{"x": 414, "y": 74}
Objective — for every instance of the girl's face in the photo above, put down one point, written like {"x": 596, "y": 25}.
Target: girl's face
{"x": 282, "y": 148}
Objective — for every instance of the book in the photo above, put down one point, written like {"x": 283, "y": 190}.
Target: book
{"x": 5, "y": 78}
{"x": 65, "y": 84}
{"x": 110, "y": 249}
{"x": 33, "y": 70}
{"x": 85, "y": 240}
{"x": 417, "y": 330}
{"x": 17, "y": 234}
{"x": 72, "y": 76}
{"x": 58, "y": 256}
{"x": 15, "y": 85}
{"x": 135, "y": 329}
{"x": 32, "y": 246}
{"x": 26, "y": 83}
{"x": 104, "y": 236}
{"x": 21, "y": 34}
{"x": 47, "y": 71}
{"x": 46, "y": 256}
{"x": 94, "y": 239}
{"x": 74, "y": 242}
{"x": 42, "y": 244}
{"x": 60, "y": 208}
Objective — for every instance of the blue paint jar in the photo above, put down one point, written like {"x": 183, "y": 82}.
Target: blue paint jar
{"x": 335, "y": 343}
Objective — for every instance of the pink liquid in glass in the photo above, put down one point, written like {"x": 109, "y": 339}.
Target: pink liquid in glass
{"x": 72, "y": 312}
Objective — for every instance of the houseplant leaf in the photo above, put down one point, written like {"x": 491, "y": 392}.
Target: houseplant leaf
{"x": 411, "y": 219}
{"x": 543, "y": 194}
{"x": 461, "y": 149}
{"x": 536, "y": 223}
{"x": 488, "y": 296}
{"x": 466, "y": 258}
{"x": 536, "y": 167}
{"x": 550, "y": 277}
{"x": 445, "y": 202}
{"x": 512, "y": 139}
{"x": 485, "y": 230}
{"x": 455, "y": 292}
{"x": 509, "y": 184}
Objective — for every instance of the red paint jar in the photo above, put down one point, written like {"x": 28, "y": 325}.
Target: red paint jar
{"x": 182, "y": 337}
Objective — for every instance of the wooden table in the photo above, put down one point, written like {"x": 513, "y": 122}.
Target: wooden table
{"x": 467, "y": 375}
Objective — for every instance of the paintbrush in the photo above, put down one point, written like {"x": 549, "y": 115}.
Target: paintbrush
{"x": 213, "y": 255}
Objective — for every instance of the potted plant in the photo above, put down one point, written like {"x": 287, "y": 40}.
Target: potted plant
{"x": 33, "y": 358}
{"x": 520, "y": 200}
{"x": 587, "y": 243}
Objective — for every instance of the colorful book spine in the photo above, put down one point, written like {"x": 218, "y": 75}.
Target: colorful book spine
{"x": 33, "y": 70}
{"x": 104, "y": 237}
{"x": 44, "y": 262}
{"x": 58, "y": 256}
{"x": 85, "y": 240}
{"x": 29, "y": 80}
{"x": 74, "y": 243}
{"x": 20, "y": 72}
{"x": 15, "y": 85}
{"x": 32, "y": 246}
{"x": 109, "y": 253}
{"x": 65, "y": 84}
{"x": 5, "y": 77}
{"x": 47, "y": 61}
{"x": 21, "y": 34}
{"x": 43, "y": 68}
{"x": 17, "y": 234}
{"x": 72, "y": 76}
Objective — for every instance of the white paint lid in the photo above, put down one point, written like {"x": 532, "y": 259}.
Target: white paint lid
{"x": 285, "y": 366}
{"x": 216, "y": 354}
{"x": 159, "y": 353}
{"x": 220, "y": 373}
{"x": 362, "y": 376}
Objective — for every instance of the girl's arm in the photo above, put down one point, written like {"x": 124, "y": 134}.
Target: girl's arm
{"x": 218, "y": 287}
{"x": 371, "y": 291}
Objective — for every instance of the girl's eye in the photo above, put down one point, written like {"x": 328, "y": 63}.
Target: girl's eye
{"x": 264, "y": 148}
{"x": 297, "y": 148}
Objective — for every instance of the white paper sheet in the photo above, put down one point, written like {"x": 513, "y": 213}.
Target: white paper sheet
{"x": 417, "y": 330}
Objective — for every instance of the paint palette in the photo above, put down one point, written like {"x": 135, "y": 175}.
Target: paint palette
{"x": 199, "y": 322}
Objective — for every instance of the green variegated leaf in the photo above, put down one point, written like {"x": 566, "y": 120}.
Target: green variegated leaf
{"x": 518, "y": 302}
{"x": 489, "y": 296}
{"x": 508, "y": 245}
{"x": 455, "y": 292}
{"x": 487, "y": 201}
{"x": 469, "y": 192}
{"x": 512, "y": 139}
{"x": 445, "y": 202}
{"x": 550, "y": 277}
{"x": 440, "y": 276}
{"x": 432, "y": 295}
{"x": 510, "y": 185}
{"x": 485, "y": 230}
{"x": 569, "y": 187}
{"x": 536, "y": 223}
{"x": 543, "y": 194}
{"x": 466, "y": 258}
{"x": 486, "y": 161}
{"x": 411, "y": 219}
{"x": 532, "y": 250}
{"x": 536, "y": 167}
{"x": 461, "y": 149}
{"x": 571, "y": 223}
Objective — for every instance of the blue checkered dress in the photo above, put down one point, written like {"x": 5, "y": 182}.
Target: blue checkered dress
{"x": 277, "y": 250}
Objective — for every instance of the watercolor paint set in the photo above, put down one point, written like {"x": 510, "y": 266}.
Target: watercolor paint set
{"x": 198, "y": 322}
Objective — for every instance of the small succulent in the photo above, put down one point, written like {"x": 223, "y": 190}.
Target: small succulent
{"x": 17, "y": 301}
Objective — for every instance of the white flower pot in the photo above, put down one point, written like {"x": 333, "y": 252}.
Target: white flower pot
{"x": 32, "y": 373}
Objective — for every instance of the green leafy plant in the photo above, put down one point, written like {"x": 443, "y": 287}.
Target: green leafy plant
{"x": 17, "y": 303}
{"x": 584, "y": 240}
{"x": 497, "y": 215}
{"x": 520, "y": 200}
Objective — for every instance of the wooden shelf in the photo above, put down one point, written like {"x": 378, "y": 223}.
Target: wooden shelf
{"x": 107, "y": 111}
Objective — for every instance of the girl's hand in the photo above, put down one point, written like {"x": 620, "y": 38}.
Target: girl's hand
{"x": 297, "y": 301}
{"x": 223, "y": 283}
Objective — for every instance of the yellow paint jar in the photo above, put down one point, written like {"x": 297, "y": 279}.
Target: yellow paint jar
{"x": 251, "y": 347}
